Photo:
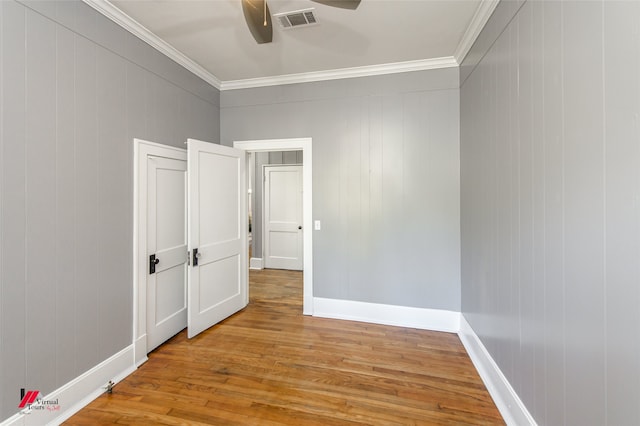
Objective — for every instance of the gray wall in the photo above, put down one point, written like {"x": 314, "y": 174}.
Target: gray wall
{"x": 75, "y": 90}
{"x": 385, "y": 179}
{"x": 262, "y": 159}
{"x": 550, "y": 155}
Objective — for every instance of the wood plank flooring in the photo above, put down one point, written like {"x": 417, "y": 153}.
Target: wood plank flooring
{"x": 270, "y": 365}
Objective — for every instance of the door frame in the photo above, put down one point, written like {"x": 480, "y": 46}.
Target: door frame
{"x": 304, "y": 145}
{"x": 263, "y": 225}
{"x": 141, "y": 150}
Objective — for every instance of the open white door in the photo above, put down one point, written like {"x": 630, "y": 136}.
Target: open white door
{"x": 217, "y": 275}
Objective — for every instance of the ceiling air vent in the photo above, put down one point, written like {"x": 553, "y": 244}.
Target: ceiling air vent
{"x": 298, "y": 18}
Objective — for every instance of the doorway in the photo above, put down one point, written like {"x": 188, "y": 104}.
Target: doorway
{"x": 208, "y": 201}
{"x": 305, "y": 145}
{"x": 153, "y": 162}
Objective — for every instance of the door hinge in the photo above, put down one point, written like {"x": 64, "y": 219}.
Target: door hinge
{"x": 196, "y": 255}
{"x": 188, "y": 257}
{"x": 152, "y": 263}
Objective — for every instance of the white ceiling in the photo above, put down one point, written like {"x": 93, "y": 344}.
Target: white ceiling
{"x": 213, "y": 34}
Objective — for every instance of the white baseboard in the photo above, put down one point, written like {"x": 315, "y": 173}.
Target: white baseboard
{"x": 79, "y": 392}
{"x": 402, "y": 316}
{"x": 508, "y": 402}
{"x": 255, "y": 263}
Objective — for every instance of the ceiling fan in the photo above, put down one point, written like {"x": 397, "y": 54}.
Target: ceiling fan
{"x": 258, "y": 17}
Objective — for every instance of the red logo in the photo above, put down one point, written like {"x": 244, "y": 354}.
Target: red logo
{"x": 29, "y": 398}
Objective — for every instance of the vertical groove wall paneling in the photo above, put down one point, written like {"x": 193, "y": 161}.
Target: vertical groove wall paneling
{"x": 350, "y": 194}
{"x": 86, "y": 205}
{"x": 562, "y": 319}
{"x": 416, "y": 168}
{"x": 380, "y": 212}
{"x": 113, "y": 263}
{"x": 2, "y": 373}
{"x": 40, "y": 166}
{"x": 327, "y": 209}
{"x": 75, "y": 93}
{"x": 364, "y": 215}
{"x": 65, "y": 206}
{"x": 514, "y": 283}
{"x": 390, "y": 241}
{"x": 525, "y": 366}
{"x": 622, "y": 188}
{"x": 373, "y": 257}
{"x": 136, "y": 103}
{"x": 441, "y": 176}
{"x": 536, "y": 344}
{"x": 554, "y": 284}
{"x": 584, "y": 211}
{"x": 13, "y": 194}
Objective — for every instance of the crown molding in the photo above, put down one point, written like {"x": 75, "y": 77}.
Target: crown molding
{"x": 365, "y": 71}
{"x": 480, "y": 18}
{"x": 125, "y": 21}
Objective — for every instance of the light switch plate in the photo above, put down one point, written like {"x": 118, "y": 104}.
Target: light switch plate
{"x": 316, "y": 225}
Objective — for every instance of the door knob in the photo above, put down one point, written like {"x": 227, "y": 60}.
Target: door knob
{"x": 299, "y": 227}
{"x": 152, "y": 263}
{"x": 196, "y": 256}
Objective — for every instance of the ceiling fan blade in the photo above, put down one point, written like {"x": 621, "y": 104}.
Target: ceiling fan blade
{"x": 343, "y": 4}
{"x": 254, "y": 14}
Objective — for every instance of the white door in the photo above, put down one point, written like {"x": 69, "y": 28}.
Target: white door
{"x": 166, "y": 249}
{"x": 283, "y": 217}
{"x": 217, "y": 234}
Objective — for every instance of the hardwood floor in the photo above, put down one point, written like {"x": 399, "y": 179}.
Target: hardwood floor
{"x": 270, "y": 365}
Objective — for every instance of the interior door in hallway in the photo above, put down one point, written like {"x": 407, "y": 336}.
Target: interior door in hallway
{"x": 167, "y": 249}
{"x": 283, "y": 217}
{"x": 217, "y": 234}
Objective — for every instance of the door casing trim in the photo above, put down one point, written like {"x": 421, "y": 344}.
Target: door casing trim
{"x": 305, "y": 145}
{"x": 141, "y": 150}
